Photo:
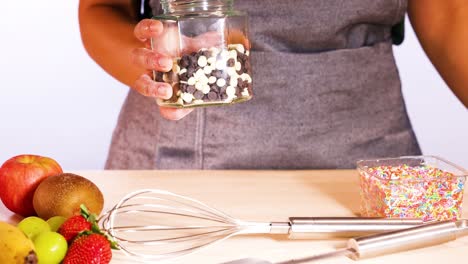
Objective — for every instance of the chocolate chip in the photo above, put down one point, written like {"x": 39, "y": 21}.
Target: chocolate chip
{"x": 217, "y": 73}
{"x": 190, "y": 71}
{"x": 214, "y": 88}
{"x": 193, "y": 61}
{"x": 238, "y": 91}
{"x": 241, "y": 57}
{"x": 198, "y": 95}
{"x": 231, "y": 62}
{"x": 184, "y": 61}
{"x": 212, "y": 96}
{"x": 191, "y": 89}
{"x": 221, "y": 71}
{"x": 222, "y": 90}
{"x": 183, "y": 87}
{"x": 183, "y": 77}
{"x": 246, "y": 84}
{"x": 159, "y": 76}
{"x": 246, "y": 66}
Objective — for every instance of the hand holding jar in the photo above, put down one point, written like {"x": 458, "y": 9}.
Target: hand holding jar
{"x": 210, "y": 54}
{"x": 150, "y": 60}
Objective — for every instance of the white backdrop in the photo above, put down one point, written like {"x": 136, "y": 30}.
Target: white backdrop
{"x": 55, "y": 101}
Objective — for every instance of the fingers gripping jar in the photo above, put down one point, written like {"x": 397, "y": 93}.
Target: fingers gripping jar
{"x": 209, "y": 42}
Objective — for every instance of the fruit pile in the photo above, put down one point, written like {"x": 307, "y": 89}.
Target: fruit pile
{"x": 60, "y": 215}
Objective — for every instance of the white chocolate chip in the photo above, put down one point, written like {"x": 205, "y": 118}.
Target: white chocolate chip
{"x": 245, "y": 92}
{"x": 179, "y": 93}
{"x": 221, "y": 82}
{"x": 202, "y": 61}
{"x": 199, "y": 86}
{"x": 203, "y": 79}
{"x": 180, "y": 101}
{"x": 249, "y": 79}
{"x": 206, "y": 89}
{"x": 244, "y": 76}
{"x": 214, "y": 51}
{"x": 187, "y": 97}
{"x": 191, "y": 81}
{"x": 207, "y": 70}
{"x": 182, "y": 71}
{"x": 233, "y": 82}
{"x": 199, "y": 73}
{"x": 198, "y": 101}
{"x": 231, "y": 71}
{"x": 211, "y": 80}
{"x": 224, "y": 54}
{"x": 231, "y": 91}
{"x": 233, "y": 54}
{"x": 220, "y": 64}
{"x": 247, "y": 52}
{"x": 240, "y": 48}
{"x": 238, "y": 66}
{"x": 211, "y": 60}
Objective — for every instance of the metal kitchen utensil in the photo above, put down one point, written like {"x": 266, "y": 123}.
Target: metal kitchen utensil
{"x": 426, "y": 235}
{"x": 157, "y": 224}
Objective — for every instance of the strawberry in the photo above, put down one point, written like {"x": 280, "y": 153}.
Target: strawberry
{"x": 89, "y": 249}
{"x": 73, "y": 226}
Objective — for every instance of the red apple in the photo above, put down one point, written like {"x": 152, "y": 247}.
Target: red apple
{"x": 19, "y": 178}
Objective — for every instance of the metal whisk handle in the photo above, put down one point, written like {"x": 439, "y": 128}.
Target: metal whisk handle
{"x": 307, "y": 227}
{"x": 406, "y": 239}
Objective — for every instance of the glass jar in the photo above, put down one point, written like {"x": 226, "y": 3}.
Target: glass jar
{"x": 209, "y": 42}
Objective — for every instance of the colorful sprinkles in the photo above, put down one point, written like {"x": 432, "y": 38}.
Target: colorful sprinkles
{"x": 411, "y": 192}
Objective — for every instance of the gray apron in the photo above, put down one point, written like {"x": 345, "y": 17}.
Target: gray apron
{"x": 326, "y": 93}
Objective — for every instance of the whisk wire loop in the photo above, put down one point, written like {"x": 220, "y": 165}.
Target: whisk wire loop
{"x": 149, "y": 239}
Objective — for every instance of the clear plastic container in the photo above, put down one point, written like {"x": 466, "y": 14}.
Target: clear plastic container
{"x": 211, "y": 53}
{"x": 425, "y": 187}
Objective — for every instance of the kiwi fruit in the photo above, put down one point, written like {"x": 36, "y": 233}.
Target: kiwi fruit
{"x": 62, "y": 195}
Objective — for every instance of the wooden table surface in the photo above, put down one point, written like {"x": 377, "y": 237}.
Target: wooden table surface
{"x": 262, "y": 196}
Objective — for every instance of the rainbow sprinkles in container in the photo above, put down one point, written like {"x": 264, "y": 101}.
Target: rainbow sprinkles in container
{"x": 411, "y": 187}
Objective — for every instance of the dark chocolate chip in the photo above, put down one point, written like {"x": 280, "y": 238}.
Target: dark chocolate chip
{"x": 231, "y": 62}
{"x": 217, "y": 73}
{"x": 241, "y": 57}
{"x": 222, "y": 90}
{"x": 159, "y": 76}
{"x": 191, "y": 89}
{"x": 184, "y": 61}
{"x": 212, "y": 96}
{"x": 193, "y": 61}
{"x": 246, "y": 84}
{"x": 190, "y": 71}
{"x": 198, "y": 95}
{"x": 246, "y": 66}
{"x": 214, "y": 88}
{"x": 184, "y": 76}
{"x": 238, "y": 91}
{"x": 183, "y": 87}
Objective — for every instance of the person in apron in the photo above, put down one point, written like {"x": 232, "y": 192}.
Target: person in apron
{"x": 326, "y": 93}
